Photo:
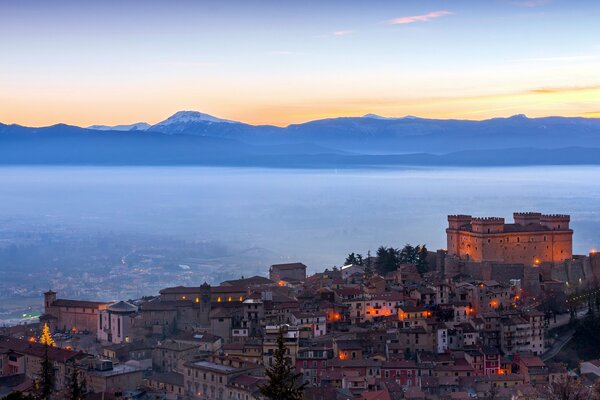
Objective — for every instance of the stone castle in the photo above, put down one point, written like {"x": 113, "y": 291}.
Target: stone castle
{"x": 536, "y": 249}
{"x": 532, "y": 239}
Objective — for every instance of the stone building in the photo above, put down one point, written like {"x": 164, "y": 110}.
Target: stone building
{"x": 71, "y": 315}
{"x": 532, "y": 239}
{"x": 288, "y": 272}
{"x": 115, "y": 322}
{"x": 23, "y": 357}
{"x": 211, "y": 379}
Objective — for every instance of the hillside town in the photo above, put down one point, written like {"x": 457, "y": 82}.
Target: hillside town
{"x": 469, "y": 321}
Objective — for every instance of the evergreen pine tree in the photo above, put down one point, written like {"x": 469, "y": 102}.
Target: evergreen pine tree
{"x": 46, "y": 384}
{"x": 76, "y": 393}
{"x": 282, "y": 383}
{"x": 368, "y": 266}
{"x": 421, "y": 259}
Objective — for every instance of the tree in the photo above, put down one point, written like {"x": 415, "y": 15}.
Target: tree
{"x": 354, "y": 259}
{"x": 282, "y": 381}
{"x": 46, "y": 338}
{"x": 46, "y": 383}
{"x": 76, "y": 389}
{"x": 368, "y": 266}
{"x": 387, "y": 260}
{"x": 421, "y": 259}
{"x": 566, "y": 389}
{"x": 408, "y": 255}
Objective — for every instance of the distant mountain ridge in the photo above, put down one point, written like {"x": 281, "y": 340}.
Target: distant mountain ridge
{"x": 138, "y": 126}
{"x": 191, "y": 137}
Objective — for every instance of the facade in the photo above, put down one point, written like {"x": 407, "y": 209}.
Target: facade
{"x": 71, "y": 315}
{"x": 23, "y": 357}
{"x": 115, "y": 322}
{"x": 210, "y": 379}
{"x": 532, "y": 239}
{"x": 112, "y": 379}
{"x": 287, "y": 272}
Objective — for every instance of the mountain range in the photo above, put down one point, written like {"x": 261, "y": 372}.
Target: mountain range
{"x": 194, "y": 138}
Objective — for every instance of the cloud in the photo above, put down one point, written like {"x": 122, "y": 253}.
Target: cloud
{"x": 530, "y": 3}
{"x": 342, "y": 33}
{"x": 565, "y": 89}
{"x": 419, "y": 18}
{"x": 592, "y": 114}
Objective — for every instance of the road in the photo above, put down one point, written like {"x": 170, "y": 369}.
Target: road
{"x": 558, "y": 345}
{"x": 565, "y": 337}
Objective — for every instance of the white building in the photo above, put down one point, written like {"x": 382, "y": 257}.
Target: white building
{"x": 115, "y": 322}
{"x": 317, "y": 321}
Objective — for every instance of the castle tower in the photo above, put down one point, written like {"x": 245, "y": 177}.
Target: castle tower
{"x": 49, "y": 298}
{"x": 488, "y": 225}
{"x": 556, "y": 222}
{"x": 204, "y": 305}
{"x": 455, "y": 224}
{"x": 527, "y": 218}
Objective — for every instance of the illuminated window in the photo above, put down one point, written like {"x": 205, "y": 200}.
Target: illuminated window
{"x": 197, "y": 300}
{"x": 219, "y": 299}
{"x": 241, "y": 298}
{"x": 229, "y": 298}
{"x": 182, "y": 297}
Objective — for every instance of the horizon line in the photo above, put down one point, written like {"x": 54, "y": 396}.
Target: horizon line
{"x": 590, "y": 116}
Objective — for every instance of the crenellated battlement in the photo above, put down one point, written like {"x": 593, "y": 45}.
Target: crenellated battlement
{"x": 527, "y": 218}
{"x": 459, "y": 217}
{"x": 556, "y": 216}
{"x": 487, "y": 220}
{"x": 532, "y": 238}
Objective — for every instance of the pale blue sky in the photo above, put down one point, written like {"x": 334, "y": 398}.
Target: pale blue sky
{"x": 289, "y": 61}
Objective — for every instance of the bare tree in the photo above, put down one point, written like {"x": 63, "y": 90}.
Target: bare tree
{"x": 566, "y": 389}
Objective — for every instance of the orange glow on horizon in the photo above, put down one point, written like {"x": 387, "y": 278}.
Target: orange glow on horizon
{"x": 268, "y": 105}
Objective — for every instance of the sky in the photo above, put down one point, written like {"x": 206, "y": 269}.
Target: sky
{"x": 282, "y": 62}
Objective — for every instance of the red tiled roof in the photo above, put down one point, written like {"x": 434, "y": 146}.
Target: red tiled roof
{"x": 288, "y": 266}
{"x": 55, "y": 354}
{"x": 376, "y": 395}
{"x": 77, "y": 303}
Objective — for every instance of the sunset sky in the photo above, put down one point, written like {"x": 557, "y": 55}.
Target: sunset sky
{"x": 281, "y": 62}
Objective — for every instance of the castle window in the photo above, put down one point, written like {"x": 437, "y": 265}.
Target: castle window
{"x": 488, "y": 230}
{"x": 489, "y": 240}
{"x": 518, "y": 240}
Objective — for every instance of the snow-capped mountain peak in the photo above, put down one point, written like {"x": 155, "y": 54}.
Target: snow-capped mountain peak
{"x": 186, "y": 117}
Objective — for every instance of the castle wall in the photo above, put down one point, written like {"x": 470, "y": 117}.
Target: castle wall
{"x": 532, "y": 240}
